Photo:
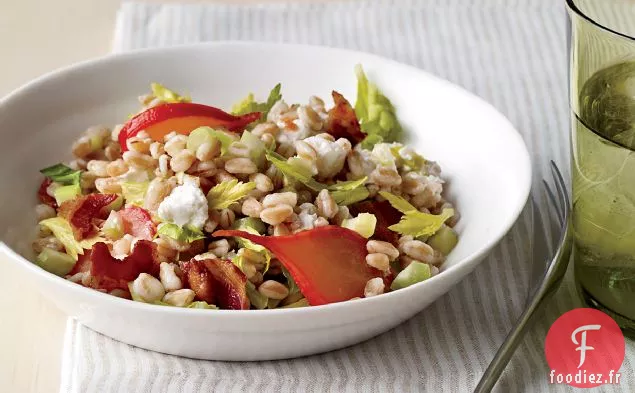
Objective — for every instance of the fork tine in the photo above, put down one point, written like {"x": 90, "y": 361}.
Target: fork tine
{"x": 540, "y": 247}
{"x": 554, "y": 202}
{"x": 561, "y": 188}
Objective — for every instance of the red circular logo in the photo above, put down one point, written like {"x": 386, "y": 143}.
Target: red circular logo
{"x": 584, "y": 348}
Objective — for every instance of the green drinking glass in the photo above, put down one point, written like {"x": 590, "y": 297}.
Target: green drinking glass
{"x": 602, "y": 100}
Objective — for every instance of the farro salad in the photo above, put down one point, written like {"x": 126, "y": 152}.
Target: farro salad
{"x": 273, "y": 205}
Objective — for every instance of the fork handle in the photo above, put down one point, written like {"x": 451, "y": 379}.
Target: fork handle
{"x": 505, "y": 352}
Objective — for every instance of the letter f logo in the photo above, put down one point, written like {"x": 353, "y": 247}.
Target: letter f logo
{"x": 583, "y": 347}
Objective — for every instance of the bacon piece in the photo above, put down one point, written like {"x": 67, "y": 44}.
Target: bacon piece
{"x": 218, "y": 282}
{"x": 386, "y": 216}
{"x": 81, "y": 211}
{"x": 328, "y": 263}
{"x": 342, "y": 121}
{"x": 107, "y": 272}
{"x": 137, "y": 222}
{"x": 199, "y": 279}
{"x": 44, "y": 196}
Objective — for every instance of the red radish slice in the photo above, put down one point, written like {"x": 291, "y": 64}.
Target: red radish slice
{"x": 327, "y": 263}
{"x": 183, "y": 118}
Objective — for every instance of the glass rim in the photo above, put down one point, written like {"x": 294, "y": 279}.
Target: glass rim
{"x": 571, "y": 4}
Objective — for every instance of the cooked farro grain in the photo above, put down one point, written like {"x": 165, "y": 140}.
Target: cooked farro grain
{"x": 121, "y": 247}
{"x": 418, "y": 250}
{"x": 321, "y": 222}
{"x": 158, "y": 190}
{"x": 47, "y": 242}
{"x": 385, "y": 177}
{"x": 342, "y": 214}
{"x": 379, "y": 261}
{"x": 374, "y": 287}
{"x": 305, "y": 150}
{"x": 77, "y": 278}
{"x": 98, "y": 167}
{"x": 273, "y": 290}
{"x": 238, "y": 149}
{"x": 138, "y": 160}
{"x": 87, "y": 182}
{"x": 269, "y": 141}
{"x": 180, "y": 297}
{"x": 116, "y": 168}
{"x": 112, "y": 151}
{"x": 165, "y": 251}
{"x": 281, "y": 198}
{"x": 114, "y": 134}
{"x": 44, "y": 211}
{"x": 177, "y": 245}
{"x": 210, "y": 226}
{"x": 164, "y": 165}
{"x": 317, "y": 104}
{"x": 140, "y": 145}
{"x": 182, "y": 161}
{"x": 240, "y": 165}
{"x": 266, "y": 128}
{"x": 309, "y": 116}
{"x": 326, "y": 206}
{"x": 169, "y": 279}
{"x": 292, "y": 298}
{"x": 156, "y": 149}
{"x": 148, "y": 288}
{"x": 377, "y": 246}
{"x": 82, "y": 147}
{"x": 280, "y": 230}
{"x": 286, "y": 150}
{"x": 208, "y": 150}
{"x": 223, "y": 176}
{"x": 227, "y": 217}
{"x": 277, "y": 214}
{"x": 263, "y": 182}
{"x": 220, "y": 248}
{"x": 78, "y": 164}
{"x": 101, "y": 132}
{"x": 251, "y": 207}
{"x": 257, "y": 278}
{"x": 174, "y": 144}
{"x": 108, "y": 185}
{"x": 452, "y": 221}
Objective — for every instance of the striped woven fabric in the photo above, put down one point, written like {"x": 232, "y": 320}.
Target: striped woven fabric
{"x": 510, "y": 52}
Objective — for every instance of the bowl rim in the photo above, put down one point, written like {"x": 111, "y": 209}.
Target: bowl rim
{"x": 465, "y": 264}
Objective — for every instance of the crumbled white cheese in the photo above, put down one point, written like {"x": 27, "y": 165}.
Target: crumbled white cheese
{"x": 298, "y": 131}
{"x": 186, "y": 205}
{"x": 331, "y": 155}
{"x": 382, "y": 156}
{"x": 276, "y": 110}
{"x": 289, "y": 131}
{"x": 364, "y": 164}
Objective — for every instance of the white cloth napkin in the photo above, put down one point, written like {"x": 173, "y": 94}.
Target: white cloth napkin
{"x": 510, "y": 52}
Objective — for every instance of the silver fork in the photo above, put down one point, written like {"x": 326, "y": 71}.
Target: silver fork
{"x": 544, "y": 288}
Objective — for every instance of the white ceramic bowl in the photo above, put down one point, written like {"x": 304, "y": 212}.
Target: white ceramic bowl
{"x": 481, "y": 154}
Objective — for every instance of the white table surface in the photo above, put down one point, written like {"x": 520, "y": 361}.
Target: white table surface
{"x": 37, "y": 36}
